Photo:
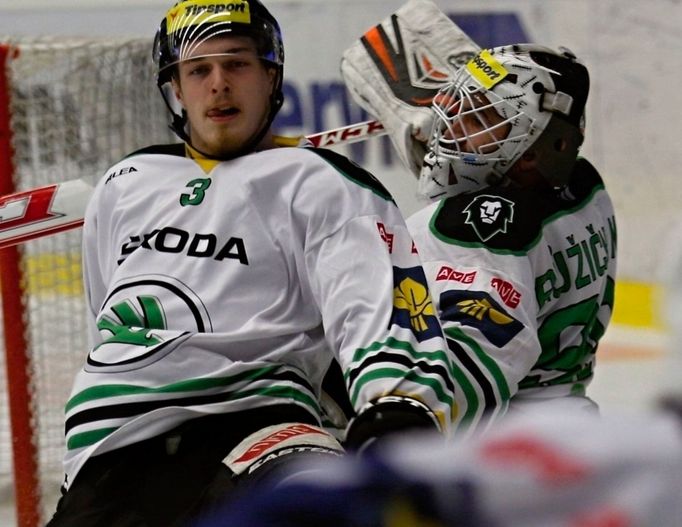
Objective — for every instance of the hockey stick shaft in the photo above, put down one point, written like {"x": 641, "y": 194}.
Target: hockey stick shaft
{"x": 60, "y": 207}
{"x": 347, "y": 134}
{"x": 42, "y": 211}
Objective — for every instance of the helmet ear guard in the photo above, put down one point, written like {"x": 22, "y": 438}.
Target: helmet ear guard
{"x": 556, "y": 150}
{"x": 538, "y": 93}
{"x": 570, "y": 79}
{"x": 557, "y": 146}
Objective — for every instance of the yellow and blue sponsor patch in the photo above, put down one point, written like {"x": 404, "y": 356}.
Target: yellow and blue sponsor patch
{"x": 478, "y": 309}
{"x": 195, "y": 12}
{"x": 412, "y": 304}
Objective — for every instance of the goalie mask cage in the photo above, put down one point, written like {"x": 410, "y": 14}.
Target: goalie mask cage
{"x": 69, "y": 108}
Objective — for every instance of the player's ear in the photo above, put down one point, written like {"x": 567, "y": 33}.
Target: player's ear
{"x": 177, "y": 90}
{"x": 560, "y": 145}
{"x": 530, "y": 159}
{"x": 272, "y": 76}
{"x": 525, "y": 171}
{"x": 527, "y": 161}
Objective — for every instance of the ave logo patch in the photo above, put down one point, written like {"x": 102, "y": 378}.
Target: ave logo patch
{"x": 489, "y": 215}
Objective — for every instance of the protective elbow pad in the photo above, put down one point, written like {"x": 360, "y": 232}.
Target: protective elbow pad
{"x": 386, "y": 416}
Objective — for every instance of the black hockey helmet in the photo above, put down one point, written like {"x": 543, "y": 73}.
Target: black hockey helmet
{"x": 189, "y": 23}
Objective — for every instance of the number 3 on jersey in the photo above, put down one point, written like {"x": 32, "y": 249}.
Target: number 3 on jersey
{"x": 198, "y": 190}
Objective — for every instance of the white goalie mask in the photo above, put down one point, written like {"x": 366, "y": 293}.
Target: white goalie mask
{"x": 498, "y": 105}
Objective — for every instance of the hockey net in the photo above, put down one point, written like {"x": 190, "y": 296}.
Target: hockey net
{"x": 69, "y": 108}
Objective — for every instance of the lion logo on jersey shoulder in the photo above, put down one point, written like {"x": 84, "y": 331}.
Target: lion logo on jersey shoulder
{"x": 489, "y": 215}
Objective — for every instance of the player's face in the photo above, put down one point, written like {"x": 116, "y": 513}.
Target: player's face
{"x": 225, "y": 90}
{"x": 476, "y": 126}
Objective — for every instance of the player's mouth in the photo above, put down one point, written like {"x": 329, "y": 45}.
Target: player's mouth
{"x": 222, "y": 114}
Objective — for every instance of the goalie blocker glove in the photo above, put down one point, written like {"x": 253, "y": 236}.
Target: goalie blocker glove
{"x": 386, "y": 416}
{"x": 396, "y": 68}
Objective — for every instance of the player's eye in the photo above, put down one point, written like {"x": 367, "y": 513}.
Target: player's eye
{"x": 198, "y": 70}
{"x": 237, "y": 64}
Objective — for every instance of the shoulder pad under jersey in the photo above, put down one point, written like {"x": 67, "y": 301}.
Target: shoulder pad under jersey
{"x": 511, "y": 219}
{"x": 353, "y": 171}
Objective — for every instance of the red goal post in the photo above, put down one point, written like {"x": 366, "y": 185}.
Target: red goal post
{"x": 17, "y": 379}
{"x": 69, "y": 108}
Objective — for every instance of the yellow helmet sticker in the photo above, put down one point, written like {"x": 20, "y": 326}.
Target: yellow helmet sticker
{"x": 194, "y": 12}
{"x": 486, "y": 70}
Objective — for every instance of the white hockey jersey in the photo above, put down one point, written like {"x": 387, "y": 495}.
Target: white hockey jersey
{"x": 218, "y": 286}
{"x": 524, "y": 284}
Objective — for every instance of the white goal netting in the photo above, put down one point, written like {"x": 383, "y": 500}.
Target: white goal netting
{"x": 75, "y": 107}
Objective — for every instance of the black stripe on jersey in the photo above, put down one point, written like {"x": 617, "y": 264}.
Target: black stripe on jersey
{"x": 334, "y": 385}
{"x": 532, "y": 209}
{"x": 353, "y": 171}
{"x": 469, "y": 365}
{"x": 175, "y": 149}
{"x": 386, "y": 357}
{"x": 117, "y": 411}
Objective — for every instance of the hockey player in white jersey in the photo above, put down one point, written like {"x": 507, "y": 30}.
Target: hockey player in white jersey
{"x": 520, "y": 245}
{"x": 223, "y": 277}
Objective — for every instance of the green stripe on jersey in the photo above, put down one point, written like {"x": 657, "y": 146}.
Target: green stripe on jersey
{"x": 402, "y": 345}
{"x": 287, "y": 393}
{"x": 116, "y": 390}
{"x": 487, "y": 361}
{"x": 394, "y": 373}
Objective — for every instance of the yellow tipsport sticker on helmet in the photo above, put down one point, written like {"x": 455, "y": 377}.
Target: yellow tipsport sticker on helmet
{"x": 194, "y": 12}
{"x": 486, "y": 70}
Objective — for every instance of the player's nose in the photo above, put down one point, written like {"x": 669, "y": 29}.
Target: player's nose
{"x": 219, "y": 80}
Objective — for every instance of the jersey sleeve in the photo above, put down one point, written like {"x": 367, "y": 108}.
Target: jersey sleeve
{"x": 489, "y": 315}
{"x": 97, "y": 258}
{"x": 93, "y": 281}
{"x": 490, "y": 326}
{"x": 370, "y": 287}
